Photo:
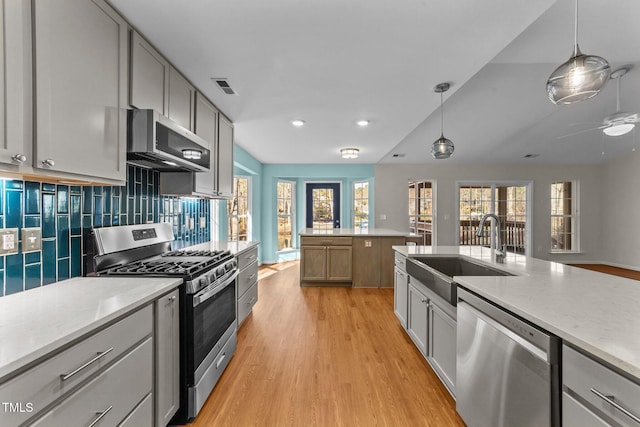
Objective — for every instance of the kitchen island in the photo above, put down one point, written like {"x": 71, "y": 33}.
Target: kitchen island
{"x": 595, "y": 315}
{"x": 358, "y": 257}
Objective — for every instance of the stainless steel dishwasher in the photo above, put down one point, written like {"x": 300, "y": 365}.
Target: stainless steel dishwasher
{"x": 507, "y": 370}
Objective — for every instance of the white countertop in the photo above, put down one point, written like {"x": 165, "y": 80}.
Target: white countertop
{"x": 235, "y": 248}
{"x": 355, "y": 232}
{"x": 596, "y": 312}
{"x": 35, "y": 322}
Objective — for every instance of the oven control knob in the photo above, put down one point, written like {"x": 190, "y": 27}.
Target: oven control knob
{"x": 220, "y": 271}
{"x": 203, "y": 282}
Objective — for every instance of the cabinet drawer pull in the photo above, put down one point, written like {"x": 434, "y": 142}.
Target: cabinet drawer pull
{"x": 250, "y": 278}
{"x": 252, "y": 257}
{"x": 65, "y": 377}
{"x": 251, "y": 301}
{"x": 219, "y": 362}
{"x": 100, "y": 416}
{"x": 610, "y": 400}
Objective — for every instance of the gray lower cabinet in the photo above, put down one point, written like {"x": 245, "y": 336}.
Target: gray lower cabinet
{"x": 224, "y": 182}
{"x": 401, "y": 289}
{"x": 418, "y": 318}
{"x": 247, "y": 284}
{"x": 107, "y": 399}
{"x": 594, "y": 395}
{"x": 442, "y": 345}
{"x": 431, "y": 324}
{"x": 167, "y": 357}
{"x": 81, "y": 87}
{"x": 124, "y": 374}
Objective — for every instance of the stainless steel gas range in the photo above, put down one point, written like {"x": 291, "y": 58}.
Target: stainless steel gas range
{"x": 207, "y": 300}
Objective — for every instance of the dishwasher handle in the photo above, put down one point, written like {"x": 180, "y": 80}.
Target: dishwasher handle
{"x": 523, "y": 342}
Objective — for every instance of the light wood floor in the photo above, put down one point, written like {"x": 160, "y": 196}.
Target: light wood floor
{"x": 325, "y": 356}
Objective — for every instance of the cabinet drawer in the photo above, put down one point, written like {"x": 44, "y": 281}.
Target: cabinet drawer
{"x": 247, "y": 277}
{"x": 142, "y": 416}
{"x": 246, "y": 258}
{"x": 582, "y": 374}
{"x": 246, "y": 302}
{"x": 576, "y": 415}
{"x": 43, "y": 383}
{"x": 326, "y": 240}
{"x": 400, "y": 261}
{"x": 112, "y": 394}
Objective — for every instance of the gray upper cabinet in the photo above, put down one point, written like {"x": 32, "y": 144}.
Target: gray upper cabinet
{"x": 181, "y": 99}
{"x": 149, "y": 77}
{"x": 206, "y": 127}
{"x": 80, "y": 89}
{"x": 225, "y": 158}
{"x": 15, "y": 85}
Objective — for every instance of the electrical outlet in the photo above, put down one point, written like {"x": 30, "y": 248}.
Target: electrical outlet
{"x": 31, "y": 239}
{"x": 8, "y": 241}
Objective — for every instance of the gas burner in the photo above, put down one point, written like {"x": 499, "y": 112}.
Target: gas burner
{"x": 212, "y": 254}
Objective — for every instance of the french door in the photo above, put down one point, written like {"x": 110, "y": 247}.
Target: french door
{"x": 323, "y": 205}
{"x": 510, "y": 202}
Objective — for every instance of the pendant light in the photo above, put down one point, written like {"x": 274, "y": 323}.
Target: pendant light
{"x": 580, "y": 78}
{"x": 442, "y": 148}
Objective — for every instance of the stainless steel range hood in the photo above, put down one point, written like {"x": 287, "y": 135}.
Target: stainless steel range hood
{"x": 154, "y": 141}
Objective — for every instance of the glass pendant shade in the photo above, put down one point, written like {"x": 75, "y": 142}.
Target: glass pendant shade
{"x": 580, "y": 78}
{"x": 619, "y": 129}
{"x": 442, "y": 148}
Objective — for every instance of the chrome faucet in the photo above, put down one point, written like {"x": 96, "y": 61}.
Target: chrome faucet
{"x": 500, "y": 250}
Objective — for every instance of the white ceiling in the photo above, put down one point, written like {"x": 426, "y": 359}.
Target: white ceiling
{"x": 333, "y": 62}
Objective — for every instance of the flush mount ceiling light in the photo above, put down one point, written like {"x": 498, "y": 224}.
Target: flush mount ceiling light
{"x": 349, "y": 153}
{"x": 581, "y": 77}
{"x": 298, "y": 123}
{"x": 192, "y": 154}
{"x": 362, "y": 123}
{"x": 442, "y": 148}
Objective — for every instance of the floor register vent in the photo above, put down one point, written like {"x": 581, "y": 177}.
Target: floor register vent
{"x": 224, "y": 86}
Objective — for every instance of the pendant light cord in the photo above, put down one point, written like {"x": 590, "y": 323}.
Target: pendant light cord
{"x": 441, "y": 115}
{"x": 575, "y": 33}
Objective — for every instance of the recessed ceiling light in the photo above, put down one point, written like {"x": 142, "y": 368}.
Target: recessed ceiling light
{"x": 298, "y": 123}
{"x": 363, "y": 123}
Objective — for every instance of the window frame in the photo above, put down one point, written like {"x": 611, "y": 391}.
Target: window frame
{"x": 574, "y": 216}
{"x": 247, "y": 215}
{"x": 292, "y": 215}
{"x": 498, "y": 183}
{"x": 354, "y": 200}
{"x": 417, "y": 206}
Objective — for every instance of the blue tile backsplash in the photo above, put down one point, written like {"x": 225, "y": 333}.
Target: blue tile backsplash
{"x": 67, "y": 213}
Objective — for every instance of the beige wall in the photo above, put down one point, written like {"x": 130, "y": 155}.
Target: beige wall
{"x": 621, "y": 211}
{"x": 390, "y": 192}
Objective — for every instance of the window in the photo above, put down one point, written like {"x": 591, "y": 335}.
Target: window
{"x": 285, "y": 203}
{"x": 239, "y": 209}
{"x": 564, "y": 217}
{"x": 421, "y": 209}
{"x": 361, "y": 204}
{"x": 508, "y": 202}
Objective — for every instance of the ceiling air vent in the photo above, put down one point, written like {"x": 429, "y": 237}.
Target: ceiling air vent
{"x": 224, "y": 85}
{"x": 531, "y": 156}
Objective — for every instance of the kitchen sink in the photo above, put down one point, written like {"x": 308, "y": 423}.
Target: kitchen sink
{"x": 437, "y": 273}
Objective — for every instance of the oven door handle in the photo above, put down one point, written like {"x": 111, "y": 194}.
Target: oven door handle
{"x": 200, "y": 298}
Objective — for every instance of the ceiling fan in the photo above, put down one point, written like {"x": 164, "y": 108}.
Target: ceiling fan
{"x": 620, "y": 122}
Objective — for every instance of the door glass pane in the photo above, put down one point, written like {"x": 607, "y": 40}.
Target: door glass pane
{"x": 322, "y": 208}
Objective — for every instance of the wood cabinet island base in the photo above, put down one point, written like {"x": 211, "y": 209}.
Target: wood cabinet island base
{"x": 349, "y": 257}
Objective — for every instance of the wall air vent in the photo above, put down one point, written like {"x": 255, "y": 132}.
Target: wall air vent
{"x": 223, "y": 84}
{"x": 531, "y": 156}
